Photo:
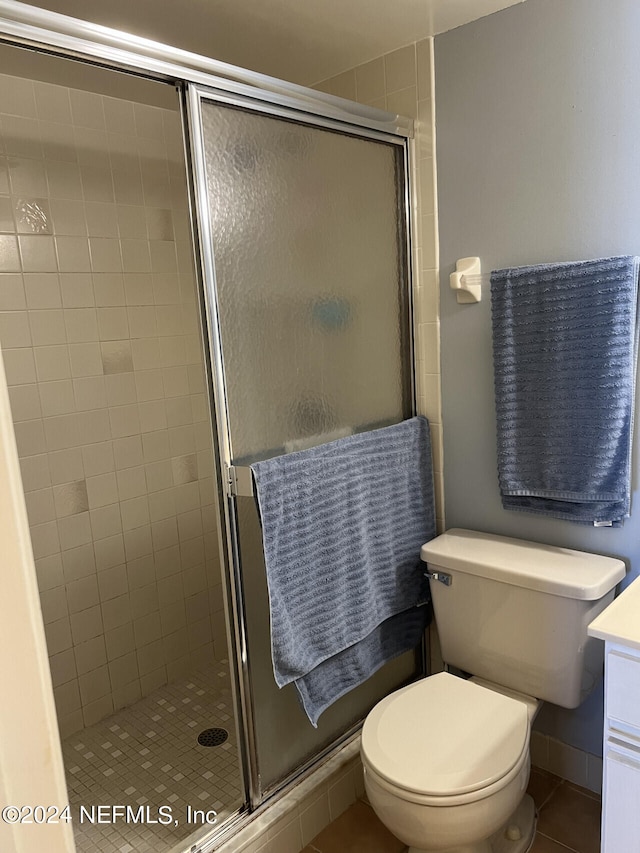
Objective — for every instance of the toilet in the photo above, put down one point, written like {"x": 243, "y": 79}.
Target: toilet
{"x": 446, "y": 759}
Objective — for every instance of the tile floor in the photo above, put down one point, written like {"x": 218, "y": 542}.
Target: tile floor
{"x": 135, "y": 758}
{"x": 568, "y": 822}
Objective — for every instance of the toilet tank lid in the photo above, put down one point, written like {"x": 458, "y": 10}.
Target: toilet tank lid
{"x": 545, "y": 568}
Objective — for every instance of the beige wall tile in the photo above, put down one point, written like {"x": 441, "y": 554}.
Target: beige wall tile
{"x": 403, "y": 102}
{"x": 400, "y": 68}
{"x": 42, "y": 290}
{"x": 12, "y": 292}
{"x": 17, "y": 96}
{"x": 74, "y": 531}
{"x": 370, "y": 82}
{"x": 424, "y": 68}
{"x": 9, "y": 257}
{"x": 343, "y": 86}
{"x": 568, "y": 762}
{"x": 342, "y": 794}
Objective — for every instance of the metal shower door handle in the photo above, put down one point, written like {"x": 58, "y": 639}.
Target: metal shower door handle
{"x": 443, "y": 577}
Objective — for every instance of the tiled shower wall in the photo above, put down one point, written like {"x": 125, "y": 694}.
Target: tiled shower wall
{"x": 100, "y": 335}
{"x": 402, "y": 83}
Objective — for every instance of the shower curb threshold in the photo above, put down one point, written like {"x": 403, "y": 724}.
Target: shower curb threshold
{"x": 283, "y": 808}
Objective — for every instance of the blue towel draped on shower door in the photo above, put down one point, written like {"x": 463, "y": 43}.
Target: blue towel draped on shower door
{"x": 565, "y": 350}
{"x": 342, "y": 528}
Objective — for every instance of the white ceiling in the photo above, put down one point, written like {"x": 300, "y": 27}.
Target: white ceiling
{"x": 304, "y": 41}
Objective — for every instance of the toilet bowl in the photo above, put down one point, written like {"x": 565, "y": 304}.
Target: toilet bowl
{"x": 449, "y": 778}
{"x": 446, "y": 759}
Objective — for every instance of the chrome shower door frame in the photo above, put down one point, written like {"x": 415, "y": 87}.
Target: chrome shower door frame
{"x": 299, "y": 111}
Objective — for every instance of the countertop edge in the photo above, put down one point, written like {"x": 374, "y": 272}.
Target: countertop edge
{"x": 620, "y": 621}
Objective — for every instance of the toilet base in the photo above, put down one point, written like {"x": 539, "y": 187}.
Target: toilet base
{"x": 522, "y": 824}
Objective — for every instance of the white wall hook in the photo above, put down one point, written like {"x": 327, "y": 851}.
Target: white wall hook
{"x": 466, "y": 280}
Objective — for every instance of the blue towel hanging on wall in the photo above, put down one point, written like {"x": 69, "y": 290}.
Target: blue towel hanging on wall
{"x": 565, "y": 339}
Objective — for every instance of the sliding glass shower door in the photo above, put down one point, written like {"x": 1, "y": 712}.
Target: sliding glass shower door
{"x": 305, "y": 254}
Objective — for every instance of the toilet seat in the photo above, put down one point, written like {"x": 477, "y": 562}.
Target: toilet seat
{"x": 445, "y": 739}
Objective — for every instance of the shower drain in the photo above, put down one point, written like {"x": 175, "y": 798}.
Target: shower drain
{"x": 212, "y": 737}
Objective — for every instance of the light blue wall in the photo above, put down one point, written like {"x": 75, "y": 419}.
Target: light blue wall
{"x": 538, "y": 154}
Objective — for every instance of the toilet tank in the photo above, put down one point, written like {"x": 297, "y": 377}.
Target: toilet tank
{"x": 516, "y": 613}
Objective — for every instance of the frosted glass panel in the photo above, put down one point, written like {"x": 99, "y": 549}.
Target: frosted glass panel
{"x": 310, "y": 271}
{"x": 308, "y": 234}
{"x": 284, "y": 737}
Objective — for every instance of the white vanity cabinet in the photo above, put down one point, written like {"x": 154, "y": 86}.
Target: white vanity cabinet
{"x": 621, "y": 750}
{"x": 619, "y": 627}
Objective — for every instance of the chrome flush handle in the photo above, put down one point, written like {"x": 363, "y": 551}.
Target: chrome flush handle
{"x": 443, "y": 577}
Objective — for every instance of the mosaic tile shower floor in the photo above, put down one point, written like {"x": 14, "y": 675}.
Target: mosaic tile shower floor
{"x": 148, "y": 755}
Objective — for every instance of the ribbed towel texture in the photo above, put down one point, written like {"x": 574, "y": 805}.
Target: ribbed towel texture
{"x": 565, "y": 339}
{"x": 342, "y": 528}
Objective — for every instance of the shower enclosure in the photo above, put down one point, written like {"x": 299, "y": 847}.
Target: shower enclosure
{"x": 199, "y": 268}
{"x": 306, "y": 250}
